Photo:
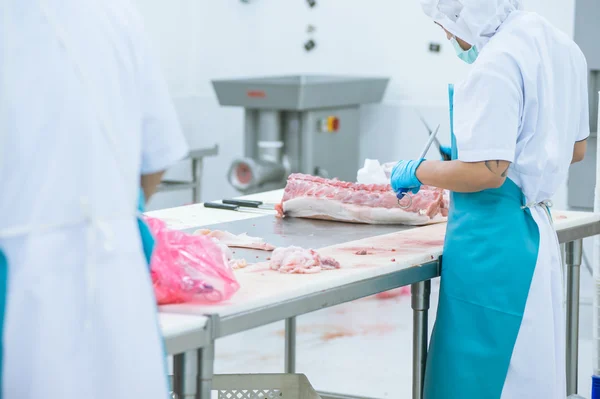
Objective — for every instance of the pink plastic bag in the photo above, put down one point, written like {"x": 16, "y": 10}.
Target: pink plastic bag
{"x": 188, "y": 268}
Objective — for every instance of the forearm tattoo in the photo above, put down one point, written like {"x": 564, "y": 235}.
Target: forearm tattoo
{"x": 496, "y": 168}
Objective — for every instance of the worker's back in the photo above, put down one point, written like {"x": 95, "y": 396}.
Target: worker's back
{"x": 72, "y": 84}
{"x": 83, "y": 113}
{"x": 552, "y": 74}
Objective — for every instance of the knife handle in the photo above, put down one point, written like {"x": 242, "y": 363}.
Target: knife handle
{"x": 227, "y": 207}
{"x": 243, "y": 203}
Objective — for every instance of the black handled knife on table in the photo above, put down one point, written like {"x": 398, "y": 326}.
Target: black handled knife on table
{"x": 225, "y": 207}
{"x": 249, "y": 204}
{"x": 237, "y": 205}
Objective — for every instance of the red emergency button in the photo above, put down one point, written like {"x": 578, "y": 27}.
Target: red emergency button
{"x": 335, "y": 124}
{"x": 330, "y": 124}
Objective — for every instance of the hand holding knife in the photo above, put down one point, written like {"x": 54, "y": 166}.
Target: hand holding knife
{"x": 403, "y": 195}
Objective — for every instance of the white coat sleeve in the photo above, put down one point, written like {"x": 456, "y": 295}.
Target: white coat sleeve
{"x": 163, "y": 142}
{"x": 584, "y": 123}
{"x": 487, "y": 113}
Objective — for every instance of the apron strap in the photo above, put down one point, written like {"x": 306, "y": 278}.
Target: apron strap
{"x": 545, "y": 204}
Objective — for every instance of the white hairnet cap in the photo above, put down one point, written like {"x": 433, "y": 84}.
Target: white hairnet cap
{"x": 474, "y": 21}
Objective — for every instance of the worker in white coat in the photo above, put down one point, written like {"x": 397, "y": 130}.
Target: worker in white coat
{"x": 519, "y": 119}
{"x": 84, "y": 113}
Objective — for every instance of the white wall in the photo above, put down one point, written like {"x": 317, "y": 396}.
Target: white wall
{"x": 199, "y": 40}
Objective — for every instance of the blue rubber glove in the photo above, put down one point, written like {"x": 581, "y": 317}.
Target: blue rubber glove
{"x": 447, "y": 151}
{"x": 404, "y": 177}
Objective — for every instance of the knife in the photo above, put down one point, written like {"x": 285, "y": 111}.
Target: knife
{"x": 234, "y": 207}
{"x": 432, "y": 138}
{"x": 402, "y": 195}
{"x": 227, "y": 207}
{"x": 249, "y": 204}
{"x": 445, "y": 157}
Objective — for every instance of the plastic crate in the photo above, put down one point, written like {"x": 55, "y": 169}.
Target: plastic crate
{"x": 263, "y": 386}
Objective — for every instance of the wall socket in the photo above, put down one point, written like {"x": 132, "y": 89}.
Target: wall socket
{"x": 309, "y": 45}
{"x": 435, "y": 47}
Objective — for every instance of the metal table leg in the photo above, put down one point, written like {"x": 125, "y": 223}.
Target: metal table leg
{"x": 178, "y": 376}
{"x": 420, "y": 305}
{"x": 193, "y": 370}
{"x": 193, "y": 373}
{"x": 185, "y": 375}
{"x": 573, "y": 254}
{"x": 290, "y": 345}
{"x": 197, "y": 166}
{"x": 206, "y": 357}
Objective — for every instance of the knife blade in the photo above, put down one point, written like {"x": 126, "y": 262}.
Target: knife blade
{"x": 445, "y": 157}
{"x": 432, "y": 138}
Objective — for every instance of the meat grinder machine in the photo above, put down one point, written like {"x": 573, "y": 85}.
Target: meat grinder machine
{"x": 298, "y": 124}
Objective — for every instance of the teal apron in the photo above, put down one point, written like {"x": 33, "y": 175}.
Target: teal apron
{"x": 145, "y": 234}
{"x": 488, "y": 262}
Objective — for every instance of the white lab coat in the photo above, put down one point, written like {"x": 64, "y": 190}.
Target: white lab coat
{"x": 83, "y": 112}
{"x": 525, "y": 101}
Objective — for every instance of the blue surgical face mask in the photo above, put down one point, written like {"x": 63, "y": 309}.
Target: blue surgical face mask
{"x": 468, "y": 56}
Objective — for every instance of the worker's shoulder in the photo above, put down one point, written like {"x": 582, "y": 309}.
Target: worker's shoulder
{"x": 128, "y": 31}
{"x": 497, "y": 62}
{"x": 531, "y": 34}
{"x": 524, "y": 42}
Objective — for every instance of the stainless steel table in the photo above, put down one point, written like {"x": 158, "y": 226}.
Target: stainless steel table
{"x": 318, "y": 234}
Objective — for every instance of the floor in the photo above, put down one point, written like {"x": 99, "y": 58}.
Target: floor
{"x": 360, "y": 348}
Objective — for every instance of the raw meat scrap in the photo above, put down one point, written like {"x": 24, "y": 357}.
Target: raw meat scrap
{"x": 296, "y": 260}
{"x": 318, "y": 198}
{"x": 237, "y": 241}
{"x": 237, "y": 263}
